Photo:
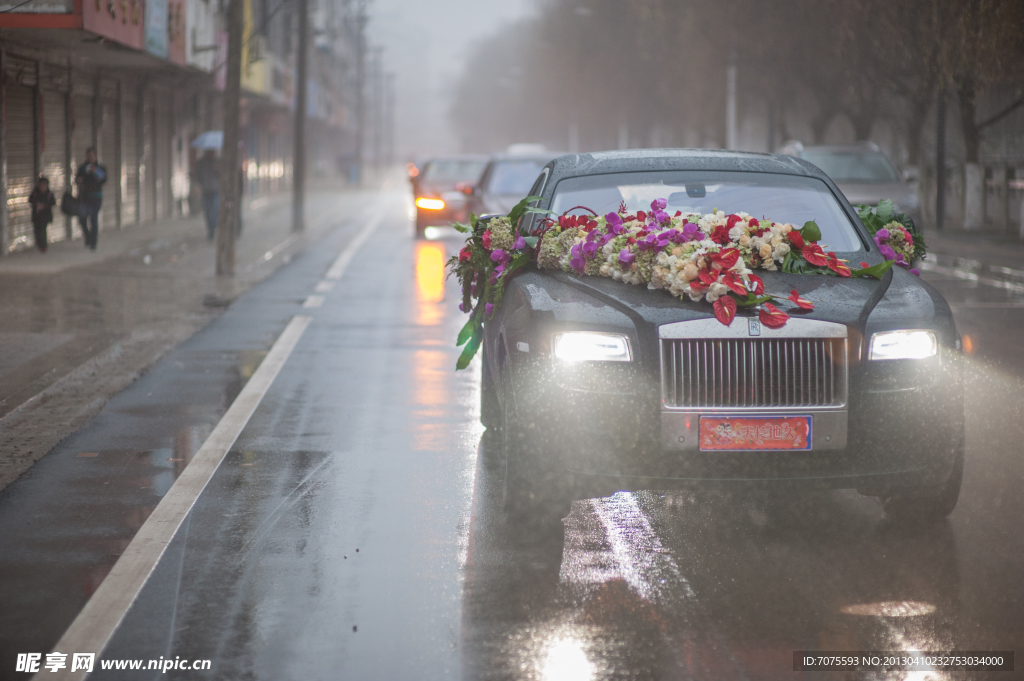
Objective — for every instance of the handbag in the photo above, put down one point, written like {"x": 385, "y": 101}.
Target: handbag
{"x": 69, "y": 205}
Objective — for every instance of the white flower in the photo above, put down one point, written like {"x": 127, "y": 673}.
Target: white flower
{"x": 736, "y": 232}
{"x": 780, "y": 251}
{"x": 695, "y": 296}
{"x": 716, "y": 291}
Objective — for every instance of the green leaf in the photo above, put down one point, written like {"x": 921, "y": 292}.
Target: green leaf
{"x": 752, "y": 301}
{"x": 468, "y": 330}
{"x": 531, "y": 241}
{"x": 876, "y": 271}
{"x": 520, "y": 208}
{"x": 810, "y": 231}
{"x": 885, "y": 211}
{"x": 533, "y": 210}
{"x": 862, "y": 211}
{"x": 470, "y": 350}
{"x": 462, "y": 227}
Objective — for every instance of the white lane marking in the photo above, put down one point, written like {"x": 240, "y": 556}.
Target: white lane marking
{"x": 325, "y": 287}
{"x": 338, "y": 268}
{"x": 104, "y": 612}
{"x": 313, "y": 301}
{"x": 269, "y": 255}
{"x": 971, "y": 276}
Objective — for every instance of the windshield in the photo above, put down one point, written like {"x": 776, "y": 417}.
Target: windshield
{"x": 853, "y": 166}
{"x": 514, "y": 177}
{"x": 450, "y": 171}
{"x": 782, "y": 198}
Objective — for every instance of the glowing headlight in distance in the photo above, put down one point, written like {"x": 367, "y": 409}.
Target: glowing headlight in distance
{"x": 903, "y": 345}
{"x": 429, "y": 204}
{"x": 587, "y": 346}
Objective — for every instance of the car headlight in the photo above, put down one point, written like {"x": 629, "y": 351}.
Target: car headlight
{"x": 589, "y": 346}
{"x": 903, "y": 345}
{"x": 429, "y": 204}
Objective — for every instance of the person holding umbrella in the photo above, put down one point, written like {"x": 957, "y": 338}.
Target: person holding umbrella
{"x": 207, "y": 176}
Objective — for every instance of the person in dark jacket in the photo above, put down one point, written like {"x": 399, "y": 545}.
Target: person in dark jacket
{"x": 42, "y": 201}
{"x": 90, "y": 178}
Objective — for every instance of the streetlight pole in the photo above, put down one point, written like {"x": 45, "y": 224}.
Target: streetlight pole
{"x": 301, "y": 100}
{"x": 361, "y": 20}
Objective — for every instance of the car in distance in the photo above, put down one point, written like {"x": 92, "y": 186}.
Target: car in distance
{"x": 507, "y": 179}
{"x": 864, "y": 174}
{"x": 598, "y": 386}
{"x": 441, "y": 187}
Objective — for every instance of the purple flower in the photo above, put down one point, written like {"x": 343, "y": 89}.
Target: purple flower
{"x": 614, "y": 223}
{"x": 899, "y": 259}
{"x": 488, "y": 308}
{"x": 462, "y": 308}
{"x": 691, "y": 232}
{"x": 589, "y": 249}
{"x": 882, "y": 234}
{"x": 659, "y": 204}
{"x": 499, "y": 255}
{"x": 494, "y": 277}
{"x": 520, "y": 243}
{"x": 648, "y": 243}
{"x": 626, "y": 257}
{"x": 916, "y": 272}
{"x": 887, "y": 252}
{"x": 661, "y": 216}
{"x": 499, "y": 270}
{"x": 577, "y": 262}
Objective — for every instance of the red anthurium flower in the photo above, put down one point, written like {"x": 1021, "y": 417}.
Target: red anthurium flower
{"x": 813, "y": 254}
{"x": 630, "y": 240}
{"x": 591, "y": 224}
{"x": 838, "y": 266}
{"x": 796, "y": 238}
{"x": 802, "y": 303}
{"x": 725, "y": 259}
{"x": 725, "y": 309}
{"x": 678, "y": 213}
{"x": 772, "y": 317}
{"x": 758, "y": 285}
{"x": 735, "y": 284}
{"x": 698, "y": 285}
{"x": 641, "y": 234}
{"x": 707, "y": 277}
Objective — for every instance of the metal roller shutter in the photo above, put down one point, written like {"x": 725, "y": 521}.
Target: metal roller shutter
{"x": 81, "y": 133}
{"x": 53, "y": 161}
{"x": 129, "y": 187}
{"x": 107, "y": 153}
{"x": 21, "y": 170}
{"x": 162, "y": 158}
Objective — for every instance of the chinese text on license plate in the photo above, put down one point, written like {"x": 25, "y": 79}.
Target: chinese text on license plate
{"x": 755, "y": 433}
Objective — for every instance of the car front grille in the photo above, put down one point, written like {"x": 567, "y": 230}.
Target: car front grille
{"x": 791, "y": 372}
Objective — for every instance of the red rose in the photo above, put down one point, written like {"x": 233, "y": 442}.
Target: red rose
{"x": 465, "y": 254}
{"x": 487, "y": 239}
{"x": 731, "y": 221}
{"x": 754, "y": 223}
{"x": 721, "y": 235}
{"x": 796, "y": 239}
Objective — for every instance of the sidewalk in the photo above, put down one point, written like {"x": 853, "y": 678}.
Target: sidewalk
{"x": 77, "y": 326}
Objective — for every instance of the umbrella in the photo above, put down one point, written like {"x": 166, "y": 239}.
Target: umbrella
{"x": 211, "y": 139}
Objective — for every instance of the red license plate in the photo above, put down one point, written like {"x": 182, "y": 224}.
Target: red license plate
{"x": 755, "y": 433}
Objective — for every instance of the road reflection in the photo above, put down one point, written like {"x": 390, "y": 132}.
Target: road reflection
{"x": 696, "y": 585}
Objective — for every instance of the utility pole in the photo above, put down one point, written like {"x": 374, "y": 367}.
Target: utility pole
{"x": 229, "y": 152}
{"x": 731, "y": 133}
{"x": 378, "y": 107}
{"x": 940, "y": 159}
{"x": 361, "y": 20}
{"x": 301, "y": 97}
{"x": 389, "y": 118}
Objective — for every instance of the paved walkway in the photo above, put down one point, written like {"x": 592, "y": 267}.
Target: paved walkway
{"x": 77, "y": 326}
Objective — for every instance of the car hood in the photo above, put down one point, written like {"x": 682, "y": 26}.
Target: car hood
{"x": 871, "y": 194}
{"x": 836, "y": 299}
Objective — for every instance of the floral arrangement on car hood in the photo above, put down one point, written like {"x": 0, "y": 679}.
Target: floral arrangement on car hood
{"x": 894, "y": 233}
{"x": 710, "y": 258}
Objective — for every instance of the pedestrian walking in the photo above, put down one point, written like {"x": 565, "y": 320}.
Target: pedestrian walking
{"x": 208, "y": 178}
{"x": 43, "y": 201}
{"x": 90, "y": 178}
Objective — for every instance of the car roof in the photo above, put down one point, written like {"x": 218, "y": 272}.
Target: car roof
{"x": 541, "y": 158}
{"x": 455, "y": 157}
{"x": 638, "y": 160}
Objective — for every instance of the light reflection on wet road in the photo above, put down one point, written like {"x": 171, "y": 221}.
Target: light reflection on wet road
{"x": 355, "y": 529}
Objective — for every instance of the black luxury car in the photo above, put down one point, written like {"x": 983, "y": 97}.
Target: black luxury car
{"x": 599, "y": 386}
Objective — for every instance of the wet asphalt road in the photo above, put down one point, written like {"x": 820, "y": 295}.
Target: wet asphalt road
{"x": 355, "y": 531}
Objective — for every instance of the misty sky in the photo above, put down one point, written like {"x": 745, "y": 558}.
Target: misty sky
{"x": 426, "y": 42}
